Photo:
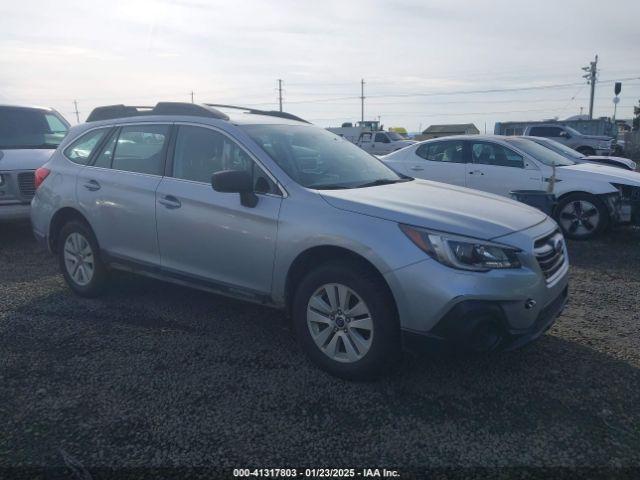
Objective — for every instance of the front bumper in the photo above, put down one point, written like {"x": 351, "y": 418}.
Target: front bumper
{"x": 428, "y": 295}
{"x": 481, "y": 326}
{"x": 14, "y": 212}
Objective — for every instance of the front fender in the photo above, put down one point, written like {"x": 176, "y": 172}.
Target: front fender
{"x": 379, "y": 241}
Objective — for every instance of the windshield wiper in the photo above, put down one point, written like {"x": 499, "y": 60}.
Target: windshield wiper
{"x": 328, "y": 186}
{"x": 382, "y": 181}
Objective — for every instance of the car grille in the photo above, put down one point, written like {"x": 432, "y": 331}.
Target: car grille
{"x": 26, "y": 183}
{"x": 550, "y": 251}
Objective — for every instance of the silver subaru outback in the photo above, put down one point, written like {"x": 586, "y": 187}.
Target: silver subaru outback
{"x": 265, "y": 207}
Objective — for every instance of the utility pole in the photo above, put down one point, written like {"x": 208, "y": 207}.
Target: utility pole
{"x": 591, "y": 76}
{"x": 362, "y": 99}
{"x": 280, "y": 93}
{"x": 75, "y": 104}
{"x": 191, "y": 96}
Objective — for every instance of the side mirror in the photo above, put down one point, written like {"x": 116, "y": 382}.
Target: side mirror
{"x": 235, "y": 181}
{"x": 564, "y": 134}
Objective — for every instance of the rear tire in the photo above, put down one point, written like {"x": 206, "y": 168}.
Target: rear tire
{"x": 346, "y": 322}
{"x": 79, "y": 259}
{"x": 582, "y": 216}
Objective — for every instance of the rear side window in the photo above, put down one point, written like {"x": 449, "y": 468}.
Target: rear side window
{"x": 80, "y": 151}
{"x": 448, "y": 152}
{"x": 140, "y": 149}
{"x": 103, "y": 159}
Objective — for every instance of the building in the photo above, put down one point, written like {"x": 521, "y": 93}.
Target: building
{"x": 436, "y": 131}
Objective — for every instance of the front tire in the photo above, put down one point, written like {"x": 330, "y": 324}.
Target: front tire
{"x": 346, "y": 322}
{"x": 79, "y": 258}
{"x": 582, "y": 216}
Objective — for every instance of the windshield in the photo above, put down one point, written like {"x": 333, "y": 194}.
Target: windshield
{"x": 540, "y": 153}
{"x": 30, "y": 128}
{"x": 395, "y": 136}
{"x": 558, "y": 148}
{"x": 316, "y": 158}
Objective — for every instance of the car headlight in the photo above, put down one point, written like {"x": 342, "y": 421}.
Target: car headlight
{"x": 463, "y": 252}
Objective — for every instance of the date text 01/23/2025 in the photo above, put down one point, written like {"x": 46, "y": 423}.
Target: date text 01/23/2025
{"x": 315, "y": 472}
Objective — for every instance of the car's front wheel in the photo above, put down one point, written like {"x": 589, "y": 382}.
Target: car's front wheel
{"x": 581, "y": 216}
{"x": 346, "y": 322}
{"x": 79, "y": 259}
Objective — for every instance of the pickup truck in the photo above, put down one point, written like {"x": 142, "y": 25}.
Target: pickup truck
{"x": 585, "y": 144}
{"x": 376, "y": 142}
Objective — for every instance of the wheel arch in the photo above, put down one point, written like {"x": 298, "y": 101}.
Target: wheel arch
{"x": 307, "y": 259}
{"x": 60, "y": 219}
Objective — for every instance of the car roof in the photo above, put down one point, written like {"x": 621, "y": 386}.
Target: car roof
{"x": 181, "y": 111}
{"x": 29, "y": 107}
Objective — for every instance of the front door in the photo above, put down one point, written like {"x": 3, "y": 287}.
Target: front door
{"x": 498, "y": 169}
{"x": 207, "y": 235}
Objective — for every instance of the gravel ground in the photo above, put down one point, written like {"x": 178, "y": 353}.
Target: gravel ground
{"x": 155, "y": 375}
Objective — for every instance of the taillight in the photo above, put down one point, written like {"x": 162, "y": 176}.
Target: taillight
{"x": 41, "y": 174}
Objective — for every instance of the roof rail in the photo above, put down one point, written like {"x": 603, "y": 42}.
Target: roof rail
{"x": 109, "y": 112}
{"x": 270, "y": 113}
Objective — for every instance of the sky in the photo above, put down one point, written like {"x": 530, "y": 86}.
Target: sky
{"x": 423, "y": 62}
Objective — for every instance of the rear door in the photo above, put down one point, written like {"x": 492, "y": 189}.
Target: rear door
{"x": 498, "y": 169}
{"x": 441, "y": 161}
{"x": 117, "y": 191}
{"x": 208, "y": 235}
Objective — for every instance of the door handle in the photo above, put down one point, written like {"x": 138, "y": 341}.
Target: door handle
{"x": 92, "y": 185}
{"x": 479, "y": 172}
{"x": 416, "y": 168}
{"x": 170, "y": 201}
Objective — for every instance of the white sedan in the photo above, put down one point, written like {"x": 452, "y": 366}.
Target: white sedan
{"x": 590, "y": 197}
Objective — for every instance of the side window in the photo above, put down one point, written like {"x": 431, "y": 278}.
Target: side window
{"x": 496, "y": 155}
{"x": 201, "y": 152}
{"x": 139, "y": 149}
{"x": 450, "y": 152}
{"x": 103, "y": 159}
{"x": 365, "y": 137}
{"x": 554, "y": 131}
{"x": 55, "y": 124}
{"x": 80, "y": 150}
{"x": 382, "y": 138}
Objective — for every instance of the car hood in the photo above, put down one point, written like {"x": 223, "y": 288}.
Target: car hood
{"x": 27, "y": 159}
{"x": 438, "y": 206}
{"x": 594, "y": 171}
{"x": 622, "y": 160}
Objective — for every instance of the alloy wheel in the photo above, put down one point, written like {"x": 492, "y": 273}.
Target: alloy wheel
{"x": 340, "y": 323}
{"x": 79, "y": 259}
{"x": 580, "y": 218}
